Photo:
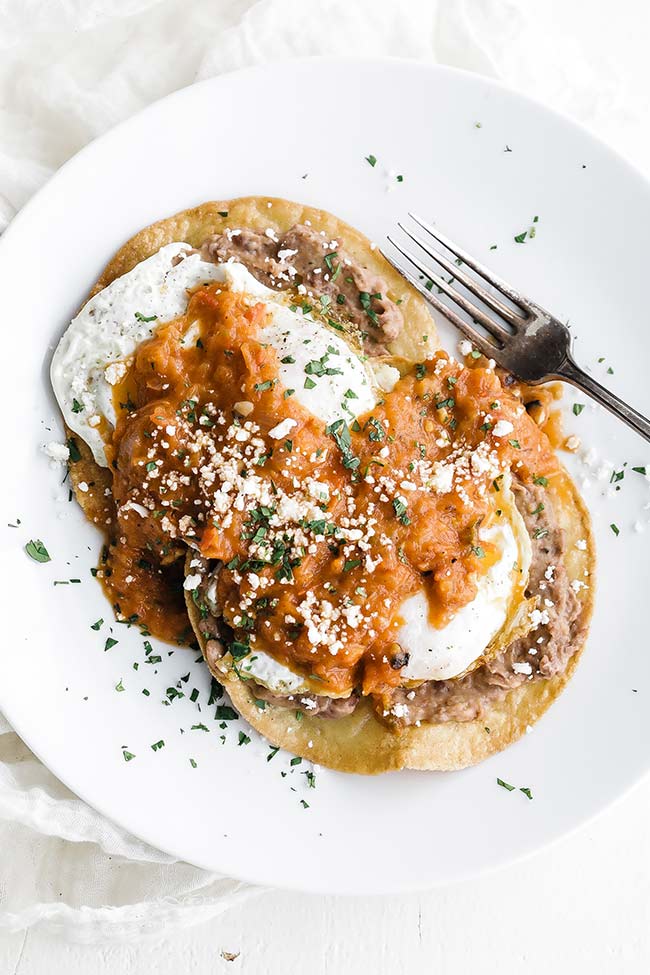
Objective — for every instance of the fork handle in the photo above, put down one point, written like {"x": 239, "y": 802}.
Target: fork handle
{"x": 573, "y": 374}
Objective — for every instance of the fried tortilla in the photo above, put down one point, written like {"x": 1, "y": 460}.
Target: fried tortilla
{"x": 360, "y": 741}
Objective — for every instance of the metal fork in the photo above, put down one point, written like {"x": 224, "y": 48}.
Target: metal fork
{"x": 526, "y": 340}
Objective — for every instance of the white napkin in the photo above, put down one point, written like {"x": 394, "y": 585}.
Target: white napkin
{"x": 69, "y": 70}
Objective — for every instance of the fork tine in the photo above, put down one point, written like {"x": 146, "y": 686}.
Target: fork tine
{"x": 498, "y": 331}
{"x": 475, "y": 265}
{"x": 480, "y": 341}
{"x": 470, "y": 283}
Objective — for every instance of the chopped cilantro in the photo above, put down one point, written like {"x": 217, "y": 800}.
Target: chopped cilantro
{"x": 37, "y": 551}
{"x": 141, "y": 318}
{"x": 75, "y": 453}
{"x": 399, "y": 507}
{"x": 225, "y": 713}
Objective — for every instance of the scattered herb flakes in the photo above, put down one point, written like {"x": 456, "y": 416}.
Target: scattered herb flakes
{"x": 541, "y": 480}
{"x": 296, "y": 760}
{"x": 142, "y": 318}
{"x": 615, "y": 529}
{"x": 75, "y": 453}
{"x": 311, "y": 779}
{"x": 224, "y": 213}
{"x": 120, "y": 686}
{"x": 505, "y": 785}
{"x": 77, "y": 407}
{"x": 578, "y": 408}
{"x": 399, "y": 507}
{"x": 304, "y": 804}
{"x": 274, "y": 751}
{"x": 225, "y": 713}
{"x": 37, "y": 551}
{"x": 157, "y": 745}
{"x": 199, "y": 727}
{"x": 110, "y": 642}
{"x": 520, "y": 238}
{"x": 372, "y": 160}
{"x": 526, "y": 791}
{"x": 399, "y": 178}
{"x": 243, "y": 739}
{"x": 639, "y": 470}
{"x": 192, "y": 763}
{"x": 127, "y": 755}
{"x": 98, "y": 625}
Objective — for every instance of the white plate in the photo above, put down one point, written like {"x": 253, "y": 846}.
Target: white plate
{"x": 447, "y": 133}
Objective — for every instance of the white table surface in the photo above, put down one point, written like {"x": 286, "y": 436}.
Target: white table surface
{"x": 580, "y": 906}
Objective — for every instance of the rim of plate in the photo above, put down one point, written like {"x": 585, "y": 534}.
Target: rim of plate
{"x": 260, "y": 877}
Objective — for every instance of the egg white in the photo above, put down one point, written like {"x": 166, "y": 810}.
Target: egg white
{"x": 99, "y": 342}
{"x": 445, "y": 652}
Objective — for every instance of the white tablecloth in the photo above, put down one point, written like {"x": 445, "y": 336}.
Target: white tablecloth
{"x": 69, "y": 70}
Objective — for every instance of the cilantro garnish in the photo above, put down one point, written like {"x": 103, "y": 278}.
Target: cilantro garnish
{"x": 37, "y": 551}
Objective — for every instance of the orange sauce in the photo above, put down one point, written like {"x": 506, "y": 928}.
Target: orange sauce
{"x": 182, "y": 425}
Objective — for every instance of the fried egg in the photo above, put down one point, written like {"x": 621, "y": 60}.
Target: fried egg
{"x": 445, "y": 652}
{"x": 94, "y": 353}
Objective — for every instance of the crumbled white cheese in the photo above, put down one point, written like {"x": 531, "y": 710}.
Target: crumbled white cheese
{"x": 522, "y": 668}
{"x": 192, "y": 581}
{"x": 58, "y": 452}
{"x": 114, "y": 372}
{"x": 502, "y": 428}
{"x": 283, "y": 428}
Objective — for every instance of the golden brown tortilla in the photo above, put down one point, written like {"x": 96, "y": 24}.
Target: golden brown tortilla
{"x": 358, "y": 743}
{"x": 361, "y": 743}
